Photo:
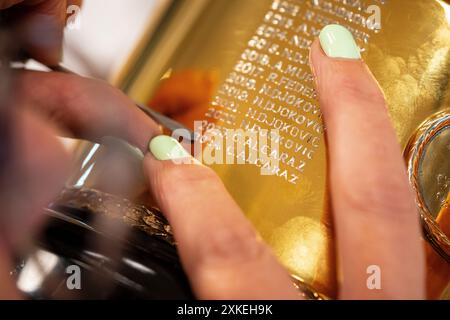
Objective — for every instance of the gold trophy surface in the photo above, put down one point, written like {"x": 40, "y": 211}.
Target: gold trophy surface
{"x": 250, "y": 58}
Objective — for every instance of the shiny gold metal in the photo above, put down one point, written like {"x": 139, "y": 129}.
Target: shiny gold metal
{"x": 409, "y": 55}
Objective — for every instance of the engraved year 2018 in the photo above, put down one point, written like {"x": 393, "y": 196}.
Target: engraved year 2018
{"x": 241, "y": 80}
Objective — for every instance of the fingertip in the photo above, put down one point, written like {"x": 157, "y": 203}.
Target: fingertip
{"x": 315, "y": 54}
{"x": 167, "y": 148}
{"x": 42, "y": 35}
{"x": 341, "y": 82}
{"x": 315, "y": 51}
{"x": 148, "y": 164}
{"x": 323, "y": 65}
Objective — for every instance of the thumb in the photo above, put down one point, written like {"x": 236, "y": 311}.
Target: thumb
{"x": 339, "y": 71}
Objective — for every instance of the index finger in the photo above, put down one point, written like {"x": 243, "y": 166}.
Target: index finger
{"x": 376, "y": 220}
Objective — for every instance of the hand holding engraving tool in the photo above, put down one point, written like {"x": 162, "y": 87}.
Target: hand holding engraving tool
{"x": 35, "y": 108}
{"x": 374, "y": 211}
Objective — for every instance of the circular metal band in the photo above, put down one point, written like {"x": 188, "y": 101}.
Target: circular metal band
{"x": 414, "y": 154}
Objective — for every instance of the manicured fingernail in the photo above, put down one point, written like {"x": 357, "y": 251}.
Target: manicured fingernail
{"x": 167, "y": 148}
{"x": 338, "y": 42}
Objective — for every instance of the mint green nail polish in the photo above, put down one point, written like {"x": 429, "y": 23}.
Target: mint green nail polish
{"x": 167, "y": 148}
{"x": 338, "y": 42}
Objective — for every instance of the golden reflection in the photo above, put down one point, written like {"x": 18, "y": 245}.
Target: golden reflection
{"x": 446, "y": 7}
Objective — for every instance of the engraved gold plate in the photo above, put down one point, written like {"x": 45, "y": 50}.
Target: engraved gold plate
{"x": 250, "y": 58}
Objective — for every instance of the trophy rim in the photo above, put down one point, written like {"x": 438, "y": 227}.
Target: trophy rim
{"x": 414, "y": 153}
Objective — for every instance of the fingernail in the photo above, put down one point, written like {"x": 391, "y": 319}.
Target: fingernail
{"x": 338, "y": 42}
{"x": 167, "y": 148}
